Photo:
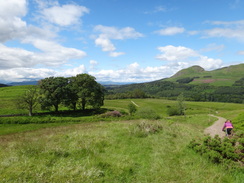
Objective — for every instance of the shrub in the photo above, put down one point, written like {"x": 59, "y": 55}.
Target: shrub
{"x": 132, "y": 108}
{"x": 220, "y": 151}
{"x": 147, "y": 113}
{"x": 173, "y": 111}
{"x": 185, "y": 80}
{"x": 145, "y": 128}
{"x": 111, "y": 114}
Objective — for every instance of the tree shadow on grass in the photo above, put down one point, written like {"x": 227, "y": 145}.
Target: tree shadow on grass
{"x": 76, "y": 113}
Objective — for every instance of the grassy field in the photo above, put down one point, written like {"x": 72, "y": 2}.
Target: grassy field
{"x": 121, "y": 151}
{"x": 8, "y": 97}
{"x": 87, "y": 148}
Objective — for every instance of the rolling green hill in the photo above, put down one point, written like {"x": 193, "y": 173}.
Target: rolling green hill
{"x": 221, "y": 85}
{"x": 226, "y": 76}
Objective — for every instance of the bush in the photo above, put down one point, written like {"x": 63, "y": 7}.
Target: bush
{"x": 221, "y": 151}
{"x": 111, "y": 114}
{"x": 173, "y": 111}
{"x": 145, "y": 128}
{"x": 132, "y": 108}
{"x": 147, "y": 113}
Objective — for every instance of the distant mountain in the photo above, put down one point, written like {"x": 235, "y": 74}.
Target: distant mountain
{"x": 104, "y": 83}
{"x": 108, "y": 83}
{"x": 225, "y": 76}
{"x": 23, "y": 83}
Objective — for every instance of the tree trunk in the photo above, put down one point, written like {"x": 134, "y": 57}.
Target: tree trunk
{"x": 30, "y": 111}
{"x": 83, "y": 103}
{"x": 56, "y": 108}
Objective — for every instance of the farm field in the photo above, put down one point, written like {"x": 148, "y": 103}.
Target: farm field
{"x": 89, "y": 148}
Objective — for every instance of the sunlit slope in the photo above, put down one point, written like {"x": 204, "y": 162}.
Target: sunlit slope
{"x": 226, "y": 76}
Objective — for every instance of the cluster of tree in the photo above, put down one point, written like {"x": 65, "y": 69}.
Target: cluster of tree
{"x": 3, "y": 85}
{"x": 171, "y": 90}
{"x": 185, "y": 80}
{"x": 79, "y": 91}
{"x": 239, "y": 82}
{"x": 137, "y": 93}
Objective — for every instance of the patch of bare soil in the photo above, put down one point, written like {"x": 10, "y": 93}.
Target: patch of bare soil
{"x": 216, "y": 128}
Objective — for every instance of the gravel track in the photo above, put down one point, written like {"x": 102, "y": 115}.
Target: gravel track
{"x": 216, "y": 128}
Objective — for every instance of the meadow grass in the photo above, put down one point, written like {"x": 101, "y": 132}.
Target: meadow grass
{"x": 87, "y": 149}
{"x": 8, "y": 96}
{"x": 159, "y": 106}
{"x": 109, "y": 152}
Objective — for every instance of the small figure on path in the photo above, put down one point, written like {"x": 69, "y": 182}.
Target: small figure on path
{"x": 228, "y": 126}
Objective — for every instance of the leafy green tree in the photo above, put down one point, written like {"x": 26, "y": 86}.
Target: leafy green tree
{"x": 53, "y": 91}
{"x": 181, "y": 105}
{"x": 132, "y": 108}
{"x": 72, "y": 97}
{"x": 89, "y": 91}
{"x": 29, "y": 99}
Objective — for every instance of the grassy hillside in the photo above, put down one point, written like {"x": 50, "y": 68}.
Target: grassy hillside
{"x": 221, "y": 77}
{"x": 8, "y": 96}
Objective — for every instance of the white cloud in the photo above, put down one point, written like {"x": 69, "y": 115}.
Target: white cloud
{"x": 237, "y": 34}
{"x": 241, "y": 52}
{"x": 25, "y": 74}
{"x": 116, "y": 54}
{"x": 231, "y": 29}
{"x": 228, "y": 23}
{"x": 135, "y": 73}
{"x": 15, "y": 57}
{"x": 105, "y": 43}
{"x": 93, "y": 64}
{"x": 109, "y": 33}
{"x": 72, "y": 72}
{"x": 157, "y": 9}
{"x": 209, "y": 63}
{"x": 172, "y": 53}
{"x": 213, "y": 47}
{"x": 64, "y": 15}
{"x": 11, "y": 25}
{"x": 13, "y": 8}
{"x": 169, "y": 31}
{"x": 52, "y": 54}
{"x": 119, "y": 34}
{"x": 186, "y": 57}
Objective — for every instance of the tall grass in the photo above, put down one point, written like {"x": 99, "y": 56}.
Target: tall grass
{"x": 8, "y": 96}
{"x": 108, "y": 152}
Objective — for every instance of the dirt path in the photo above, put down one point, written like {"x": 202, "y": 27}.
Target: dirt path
{"x": 216, "y": 128}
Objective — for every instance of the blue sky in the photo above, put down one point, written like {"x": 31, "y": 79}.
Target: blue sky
{"x": 117, "y": 40}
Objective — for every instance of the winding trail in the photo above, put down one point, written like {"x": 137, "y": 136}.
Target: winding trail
{"x": 216, "y": 128}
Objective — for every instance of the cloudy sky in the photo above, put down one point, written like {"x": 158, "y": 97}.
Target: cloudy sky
{"x": 117, "y": 40}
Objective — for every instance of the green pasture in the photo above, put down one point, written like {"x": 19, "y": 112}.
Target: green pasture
{"x": 121, "y": 151}
{"x": 161, "y": 106}
{"x": 8, "y": 96}
{"x": 79, "y": 147}
{"x": 8, "y": 106}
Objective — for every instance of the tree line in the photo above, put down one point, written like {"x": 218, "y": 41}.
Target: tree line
{"x": 75, "y": 92}
{"x": 171, "y": 90}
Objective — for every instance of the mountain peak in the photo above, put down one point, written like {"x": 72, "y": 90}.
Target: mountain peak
{"x": 191, "y": 70}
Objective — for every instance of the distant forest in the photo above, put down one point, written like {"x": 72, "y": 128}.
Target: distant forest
{"x": 171, "y": 90}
